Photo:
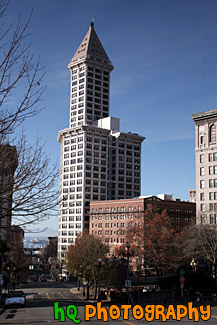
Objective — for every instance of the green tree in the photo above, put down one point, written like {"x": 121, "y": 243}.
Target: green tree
{"x": 82, "y": 258}
{"x": 16, "y": 265}
{"x": 115, "y": 272}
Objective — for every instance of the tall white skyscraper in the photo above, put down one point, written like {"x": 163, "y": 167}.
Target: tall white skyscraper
{"x": 98, "y": 161}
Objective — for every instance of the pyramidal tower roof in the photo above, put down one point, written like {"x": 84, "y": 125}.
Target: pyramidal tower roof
{"x": 91, "y": 49}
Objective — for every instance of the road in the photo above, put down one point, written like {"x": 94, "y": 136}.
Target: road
{"x": 40, "y": 307}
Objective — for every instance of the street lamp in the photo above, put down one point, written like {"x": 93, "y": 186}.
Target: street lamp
{"x": 61, "y": 270}
{"x": 194, "y": 265}
{"x": 99, "y": 261}
{"x": 78, "y": 274}
{"x": 128, "y": 257}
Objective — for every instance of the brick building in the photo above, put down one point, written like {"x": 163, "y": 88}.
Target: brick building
{"x": 110, "y": 219}
{"x": 17, "y": 236}
{"x": 8, "y": 165}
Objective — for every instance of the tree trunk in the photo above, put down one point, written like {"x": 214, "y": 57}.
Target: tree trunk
{"x": 78, "y": 284}
{"x": 95, "y": 294}
{"x": 214, "y": 271}
{"x": 88, "y": 289}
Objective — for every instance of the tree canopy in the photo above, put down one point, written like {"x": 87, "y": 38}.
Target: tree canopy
{"x": 82, "y": 257}
{"x": 157, "y": 243}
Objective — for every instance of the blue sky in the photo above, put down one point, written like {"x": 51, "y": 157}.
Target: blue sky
{"x": 164, "y": 54}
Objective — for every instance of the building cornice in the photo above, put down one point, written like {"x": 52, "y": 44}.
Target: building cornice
{"x": 204, "y": 115}
{"x": 82, "y": 128}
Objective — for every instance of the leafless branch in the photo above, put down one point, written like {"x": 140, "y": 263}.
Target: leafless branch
{"x": 29, "y": 194}
{"x": 18, "y": 70}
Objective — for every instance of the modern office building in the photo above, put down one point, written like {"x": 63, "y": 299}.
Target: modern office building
{"x": 98, "y": 161}
{"x": 110, "y": 220}
{"x": 206, "y": 166}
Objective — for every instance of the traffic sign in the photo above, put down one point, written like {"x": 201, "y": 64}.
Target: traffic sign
{"x": 182, "y": 279}
{"x": 127, "y": 283}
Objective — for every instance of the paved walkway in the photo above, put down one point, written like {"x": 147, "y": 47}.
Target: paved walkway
{"x": 2, "y": 309}
{"x": 80, "y": 295}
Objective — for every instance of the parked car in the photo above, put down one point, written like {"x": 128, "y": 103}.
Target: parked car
{"x": 145, "y": 289}
{"x": 25, "y": 281}
{"x": 22, "y": 293}
{"x": 15, "y": 298}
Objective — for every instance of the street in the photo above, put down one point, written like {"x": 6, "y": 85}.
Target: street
{"x": 40, "y": 301}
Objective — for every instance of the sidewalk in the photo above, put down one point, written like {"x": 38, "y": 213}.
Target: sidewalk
{"x": 81, "y": 297}
{"x": 2, "y": 309}
{"x": 78, "y": 293}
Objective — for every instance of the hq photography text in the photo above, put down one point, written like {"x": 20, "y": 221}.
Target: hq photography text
{"x": 125, "y": 312}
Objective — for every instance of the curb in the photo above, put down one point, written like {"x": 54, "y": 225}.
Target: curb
{"x": 78, "y": 293}
{"x": 81, "y": 297}
{"x": 2, "y": 310}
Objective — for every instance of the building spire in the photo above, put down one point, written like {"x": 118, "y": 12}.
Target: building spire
{"x": 92, "y": 23}
{"x": 91, "y": 49}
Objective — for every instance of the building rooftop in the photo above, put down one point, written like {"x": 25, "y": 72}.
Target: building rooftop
{"x": 159, "y": 198}
{"x": 204, "y": 115}
{"x": 91, "y": 49}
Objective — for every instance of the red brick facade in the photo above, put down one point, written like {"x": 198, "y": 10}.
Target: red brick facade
{"x": 109, "y": 220}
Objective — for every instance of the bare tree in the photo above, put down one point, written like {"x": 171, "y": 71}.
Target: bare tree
{"x": 31, "y": 192}
{"x": 27, "y": 179}
{"x": 201, "y": 244}
{"x": 20, "y": 76}
{"x": 16, "y": 264}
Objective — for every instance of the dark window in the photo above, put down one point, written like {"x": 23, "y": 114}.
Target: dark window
{"x": 98, "y": 76}
{"x": 212, "y": 135}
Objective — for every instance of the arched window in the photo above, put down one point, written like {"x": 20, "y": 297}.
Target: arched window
{"x": 212, "y": 133}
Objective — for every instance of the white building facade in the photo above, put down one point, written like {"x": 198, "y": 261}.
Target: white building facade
{"x": 206, "y": 166}
{"x": 98, "y": 161}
